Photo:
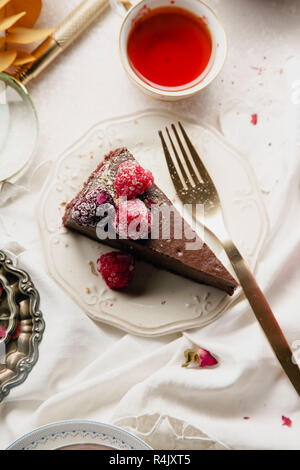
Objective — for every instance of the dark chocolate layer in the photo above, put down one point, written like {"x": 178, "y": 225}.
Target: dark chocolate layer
{"x": 200, "y": 265}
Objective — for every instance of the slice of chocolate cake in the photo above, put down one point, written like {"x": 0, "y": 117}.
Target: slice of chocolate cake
{"x": 171, "y": 252}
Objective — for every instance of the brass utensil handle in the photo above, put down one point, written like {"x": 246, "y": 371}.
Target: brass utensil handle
{"x": 69, "y": 30}
{"x": 264, "y": 314}
{"x": 77, "y": 22}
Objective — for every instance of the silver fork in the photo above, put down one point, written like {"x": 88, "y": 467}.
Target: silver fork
{"x": 195, "y": 191}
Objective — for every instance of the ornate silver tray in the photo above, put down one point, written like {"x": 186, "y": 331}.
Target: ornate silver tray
{"x": 21, "y": 325}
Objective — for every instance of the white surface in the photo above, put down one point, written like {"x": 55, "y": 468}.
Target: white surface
{"x": 159, "y": 302}
{"x": 87, "y": 370}
{"x": 66, "y": 433}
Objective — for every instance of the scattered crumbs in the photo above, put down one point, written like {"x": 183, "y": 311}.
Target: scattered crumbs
{"x": 232, "y": 82}
{"x": 92, "y": 157}
{"x": 270, "y": 144}
{"x": 281, "y": 71}
{"x": 254, "y": 119}
{"x": 259, "y": 69}
{"x": 92, "y": 266}
{"x": 286, "y": 421}
{"x": 246, "y": 417}
{"x": 163, "y": 302}
{"x": 87, "y": 290}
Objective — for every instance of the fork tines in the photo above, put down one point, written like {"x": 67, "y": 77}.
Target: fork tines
{"x": 193, "y": 172}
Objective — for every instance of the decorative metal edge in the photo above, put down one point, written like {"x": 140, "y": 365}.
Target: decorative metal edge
{"x": 14, "y": 311}
{"x": 26, "y": 364}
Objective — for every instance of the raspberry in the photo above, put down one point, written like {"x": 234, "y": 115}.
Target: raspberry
{"x": 132, "y": 180}
{"x": 116, "y": 268}
{"x": 133, "y": 220}
{"x": 84, "y": 211}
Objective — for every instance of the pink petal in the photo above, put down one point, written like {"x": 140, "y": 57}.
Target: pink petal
{"x": 2, "y": 332}
{"x": 254, "y": 119}
{"x": 206, "y": 359}
{"x": 286, "y": 421}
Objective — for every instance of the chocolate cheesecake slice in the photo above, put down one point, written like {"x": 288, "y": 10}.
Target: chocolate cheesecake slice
{"x": 169, "y": 253}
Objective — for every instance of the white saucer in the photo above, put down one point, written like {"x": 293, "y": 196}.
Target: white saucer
{"x": 56, "y": 436}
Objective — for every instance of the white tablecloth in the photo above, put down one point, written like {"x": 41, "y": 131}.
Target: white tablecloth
{"x": 96, "y": 372}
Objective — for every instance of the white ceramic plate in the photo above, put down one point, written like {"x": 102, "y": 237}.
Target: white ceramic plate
{"x": 160, "y": 302}
{"x": 84, "y": 433}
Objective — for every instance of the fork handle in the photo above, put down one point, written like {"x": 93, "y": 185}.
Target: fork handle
{"x": 264, "y": 314}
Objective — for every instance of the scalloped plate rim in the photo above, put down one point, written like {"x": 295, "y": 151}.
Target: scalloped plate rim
{"x": 174, "y": 327}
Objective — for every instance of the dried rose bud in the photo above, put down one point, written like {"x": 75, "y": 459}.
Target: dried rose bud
{"x": 17, "y": 331}
{"x": 200, "y": 356}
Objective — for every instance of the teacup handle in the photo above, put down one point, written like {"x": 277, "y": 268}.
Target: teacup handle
{"x": 120, "y": 6}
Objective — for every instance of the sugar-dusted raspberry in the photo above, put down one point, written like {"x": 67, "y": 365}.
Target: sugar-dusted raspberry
{"x": 116, "y": 268}
{"x": 132, "y": 180}
{"x": 133, "y": 220}
{"x": 84, "y": 211}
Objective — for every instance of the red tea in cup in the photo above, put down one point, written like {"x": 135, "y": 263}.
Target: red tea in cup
{"x": 169, "y": 47}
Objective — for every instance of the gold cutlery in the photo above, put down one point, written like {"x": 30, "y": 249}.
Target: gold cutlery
{"x": 194, "y": 185}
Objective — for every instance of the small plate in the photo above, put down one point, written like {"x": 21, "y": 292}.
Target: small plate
{"x": 159, "y": 302}
{"x": 77, "y": 435}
